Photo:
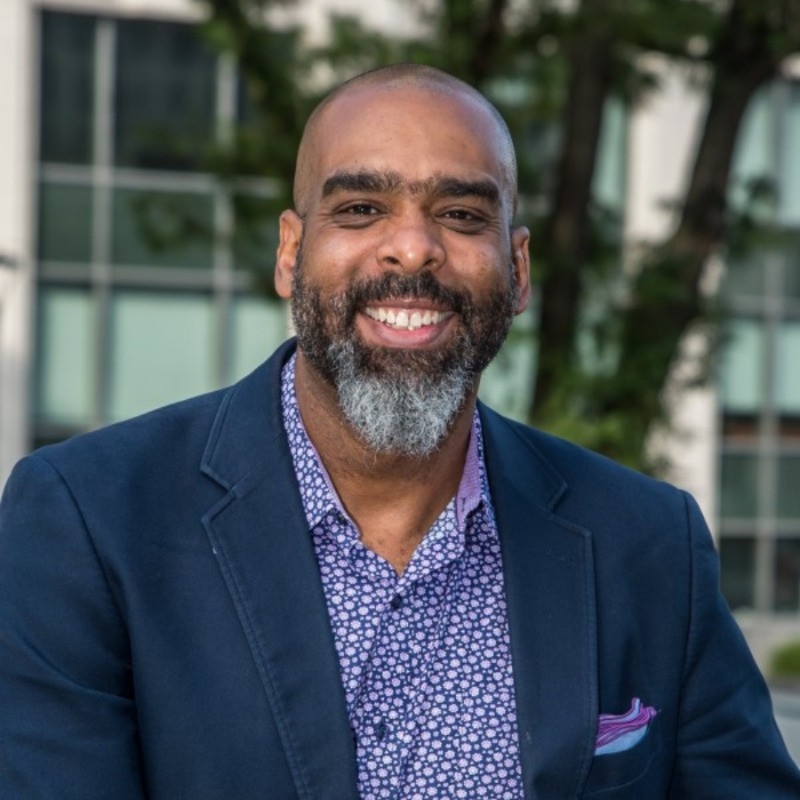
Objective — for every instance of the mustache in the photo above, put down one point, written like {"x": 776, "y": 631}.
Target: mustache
{"x": 394, "y": 286}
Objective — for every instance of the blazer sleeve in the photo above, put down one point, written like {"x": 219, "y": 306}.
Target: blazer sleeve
{"x": 728, "y": 742}
{"x": 67, "y": 721}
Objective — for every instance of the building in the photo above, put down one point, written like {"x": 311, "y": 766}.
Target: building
{"x": 97, "y": 323}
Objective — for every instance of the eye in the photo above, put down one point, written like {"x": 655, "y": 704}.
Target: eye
{"x": 357, "y": 215}
{"x": 463, "y": 220}
{"x": 460, "y": 213}
{"x": 359, "y": 210}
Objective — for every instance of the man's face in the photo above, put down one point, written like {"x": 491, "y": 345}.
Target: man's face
{"x": 404, "y": 272}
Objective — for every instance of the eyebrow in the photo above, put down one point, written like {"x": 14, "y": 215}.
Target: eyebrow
{"x": 375, "y": 182}
{"x": 362, "y": 181}
{"x": 456, "y": 187}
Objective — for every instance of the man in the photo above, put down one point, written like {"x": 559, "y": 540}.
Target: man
{"x": 345, "y": 578}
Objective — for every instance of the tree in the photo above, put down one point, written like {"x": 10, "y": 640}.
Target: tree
{"x": 554, "y": 66}
{"x": 746, "y": 43}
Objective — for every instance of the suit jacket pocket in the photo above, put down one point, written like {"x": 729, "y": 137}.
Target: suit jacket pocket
{"x": 617, "y": 774}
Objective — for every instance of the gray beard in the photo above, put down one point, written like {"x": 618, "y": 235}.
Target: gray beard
{"x": 407, "y": 414}
{"x": 399, "y": 402}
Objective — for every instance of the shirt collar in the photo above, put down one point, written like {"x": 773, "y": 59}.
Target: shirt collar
{"x": 473, "y": 485}
{"x": 472, "y": 489}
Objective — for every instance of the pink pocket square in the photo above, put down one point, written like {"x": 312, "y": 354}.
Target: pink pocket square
{"x": 618, "y": 732}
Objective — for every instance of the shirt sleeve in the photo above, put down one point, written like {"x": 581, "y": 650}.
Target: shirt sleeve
{"x": 728, "y": 742}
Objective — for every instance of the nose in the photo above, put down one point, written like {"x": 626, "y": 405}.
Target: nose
{"x": 412, "y": 243}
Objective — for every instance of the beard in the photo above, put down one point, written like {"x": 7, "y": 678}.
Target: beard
{"x": 400, "y": 402}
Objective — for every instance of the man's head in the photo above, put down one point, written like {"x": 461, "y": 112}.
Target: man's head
{"x": 400, "y": 257}
{"x": 396, "y": 78}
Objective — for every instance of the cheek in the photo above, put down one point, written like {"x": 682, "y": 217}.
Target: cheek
{"x": 337, "y": 257}
{"x": 485, "y": 272}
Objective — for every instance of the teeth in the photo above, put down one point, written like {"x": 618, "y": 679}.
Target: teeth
{"x": 402, "y": 320}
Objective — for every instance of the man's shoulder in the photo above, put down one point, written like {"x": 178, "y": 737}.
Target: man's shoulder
{"x": 174, "y": 435}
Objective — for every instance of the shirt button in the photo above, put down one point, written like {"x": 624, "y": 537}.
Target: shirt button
{"x": 396, "y": 602}
{"x": 381, "y": 730}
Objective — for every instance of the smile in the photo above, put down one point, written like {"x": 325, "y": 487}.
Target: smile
{"x": 405, "y": 319}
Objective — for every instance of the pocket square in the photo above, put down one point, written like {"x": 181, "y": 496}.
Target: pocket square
{"x": 618, "y": 732}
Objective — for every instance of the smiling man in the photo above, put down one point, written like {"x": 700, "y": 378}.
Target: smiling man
{"x": 344, "y": 577}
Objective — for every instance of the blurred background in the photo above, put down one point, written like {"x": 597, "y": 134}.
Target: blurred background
{"x": 146, "y": 147}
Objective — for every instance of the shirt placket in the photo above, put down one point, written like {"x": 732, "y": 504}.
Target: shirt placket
{"x": 394, "y": 687}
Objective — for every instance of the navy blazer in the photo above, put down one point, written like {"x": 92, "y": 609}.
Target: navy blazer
{"x": 164, "y": 634}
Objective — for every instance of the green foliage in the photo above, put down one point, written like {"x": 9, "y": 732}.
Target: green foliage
{"x": 785, "y": 661}
{"x": 573, "y": 417}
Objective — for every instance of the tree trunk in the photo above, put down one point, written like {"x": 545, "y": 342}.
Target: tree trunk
{"x": 488, "y": 44}
{"x": 473, "y": 41}
{"x": 563, "y": 249}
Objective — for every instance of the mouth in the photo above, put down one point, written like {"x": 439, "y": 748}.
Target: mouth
{"x": 406, "y": 319}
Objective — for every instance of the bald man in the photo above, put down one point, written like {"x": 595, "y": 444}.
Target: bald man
{"x": 344, "y": 577}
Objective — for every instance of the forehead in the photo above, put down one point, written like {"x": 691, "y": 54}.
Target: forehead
{"x": 413, "y": 132}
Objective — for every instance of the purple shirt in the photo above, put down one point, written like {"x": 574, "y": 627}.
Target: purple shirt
{"x": 424, "y": 657}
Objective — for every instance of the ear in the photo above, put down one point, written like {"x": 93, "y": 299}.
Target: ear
{"x": 521, "y": 263}
{"x": 290, "y": 228}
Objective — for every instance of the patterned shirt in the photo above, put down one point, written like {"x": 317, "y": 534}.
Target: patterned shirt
{"x": 424, "y": 657}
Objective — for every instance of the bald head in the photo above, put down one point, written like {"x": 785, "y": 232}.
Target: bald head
{"x": 395, "y": 80}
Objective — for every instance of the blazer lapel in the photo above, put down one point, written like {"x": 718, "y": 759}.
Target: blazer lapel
{"x": 551, "y": 608}
{"x": 259, "y": 535}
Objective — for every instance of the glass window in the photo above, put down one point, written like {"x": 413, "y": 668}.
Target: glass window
{"x": 67, "y": 88}
{"x": 609, "y": 178}
{"x": 737, "y": 559}
{"x": 745, "y": 275}
{"x": 65, "y": 222}
{"x": 753, "y": 158}
{"x": 788, "y": 369}
{"x": 162, "y": 229}
{"x": 162, "y": 349}
{"x": 789, "y": 487}
{"x": 165, "y": 96}
{"x": 787, "y": 575}
{"x": 256, "y": 233}
{"x": 760, "y": 367}
{"x": 741, "y": 385}
{"x": 791, "y": 272}
{"x": 790, "y": 158}
{"x": 739, "y": 486}
{"x": 259, "y": 326}
{"x": 65, "y": 357}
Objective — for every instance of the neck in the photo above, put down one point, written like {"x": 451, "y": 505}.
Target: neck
{"x": 392, "y": 498}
